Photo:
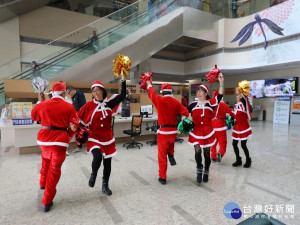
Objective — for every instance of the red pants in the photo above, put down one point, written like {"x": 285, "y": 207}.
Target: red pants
{"x": 221, "y": 138}
{"x": 165, "y": 145}
{"x": 52, "y": 160}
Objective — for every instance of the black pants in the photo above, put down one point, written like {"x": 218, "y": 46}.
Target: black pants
{"x": 244, "y": 147}
{"x": 97, "y": 154}
{"x": 198, "y": 157}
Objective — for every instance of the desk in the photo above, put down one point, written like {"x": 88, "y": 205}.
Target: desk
{"x": 25, "y": 135}
{"x": 124, "y": 123}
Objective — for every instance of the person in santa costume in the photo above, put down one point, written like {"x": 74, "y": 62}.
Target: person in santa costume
{"x": 167, "y": 108}
{"x": 59, "y": 123}
{"x": 241, "y": 130}
{"x": 220, "y": 127}
{"x": 97, "y": 115}
{"x": 202, "y": 137}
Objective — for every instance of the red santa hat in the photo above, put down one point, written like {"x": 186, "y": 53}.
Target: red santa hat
{"x": 97, "y": 84}
{"x": 215, "y": 93}
{"x": 166, "y": 87}
{"x": 205, "y": 87}
{"x": 58, "y": 88}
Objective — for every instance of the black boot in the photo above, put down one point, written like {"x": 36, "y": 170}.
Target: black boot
{"x": 171, "y": 159}
{"x": 199, "y": 174}
{"x": 248, "y": 163}
{"x": 162, "y": 181}
{"x": 47, "y": 208}
{"x": 238, "y": 162}
{"x": 205, "y": 175}
{"x": 92, "y": 179}
{"x": 219, "y": 159}
{"x": 105, "y": 188}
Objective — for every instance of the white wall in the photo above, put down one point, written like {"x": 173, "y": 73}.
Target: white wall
{"x": 52, "y": 23}
{"x": 9, "y": 46}
{"x": 167, "y": 67}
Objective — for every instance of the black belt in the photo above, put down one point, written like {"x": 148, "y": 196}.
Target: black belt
{"x": 162, "y": 126}
{"x": 56, "y": 128}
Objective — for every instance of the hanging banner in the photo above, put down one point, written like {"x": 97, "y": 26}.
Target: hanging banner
{"x": 281, "y": 110}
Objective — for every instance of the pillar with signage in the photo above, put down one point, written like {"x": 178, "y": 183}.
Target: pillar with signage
{"x": 282, "y": 110}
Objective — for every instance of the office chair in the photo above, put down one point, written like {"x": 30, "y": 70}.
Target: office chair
{"x": 136, "y": 128}
{"x": 154, "y": 128}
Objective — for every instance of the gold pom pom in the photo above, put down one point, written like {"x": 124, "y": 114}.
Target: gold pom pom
{"x": 122, "y": 65}
{"x": 244, "y": 87}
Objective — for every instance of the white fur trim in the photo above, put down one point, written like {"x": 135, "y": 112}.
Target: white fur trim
{"x": 95, "y": 110}
{"x": 104, "y": 155}
{"x": 109, "y": 156}
{"x": 166, "y": 90}
{"x": 241, "y": 132}
{"x": 94, "y": 147}
{"x": 168, "y": 96}
{"x": 149, "y": 86}
{"x": 202, "y": 146}
{"x": 241, "y": 111}
{"x": 203, "y": 87}
{"x": 85, "y": 124}
{"x": 52, "y": 143}
{"x": 169, "y": 90}
{"x": 213, "y": 104}
{"x": 97, "y": 85}
{"x": 205, "y": 107}
{"x": 220, "y": 129}
{"x": 217, "y": 111}
{"x": 96, "y": 102}
{"x": 202, "y": 137}
{"x": 167, "y": 132}
{"x": 58, "y": 97}
{"x": 57, "y": 93}
{"x": 242, "y": 139}
{"x": 102, "y": 143}
{"x": 99, "y": 110}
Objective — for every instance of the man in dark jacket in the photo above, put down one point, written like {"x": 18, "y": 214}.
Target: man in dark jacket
{"x": 77, "y": 96}
{"x": 78, "y": 100}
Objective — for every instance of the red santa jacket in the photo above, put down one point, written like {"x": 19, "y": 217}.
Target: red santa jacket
{"x": 55, "y": 112}
{"x": 242, "y": 115}
{"x": 167, "y": 108}
{"x": 220, "y": 111}
{"x": 97, "y": 116}
{"x": 202, "y": 115}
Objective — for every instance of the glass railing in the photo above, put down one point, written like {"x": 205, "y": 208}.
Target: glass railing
{"x": 4, "y": 3}
{"x": 98, "y": 8}
{"x": 63, "y": 53}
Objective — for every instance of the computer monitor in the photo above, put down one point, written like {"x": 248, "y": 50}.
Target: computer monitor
{"x": 146, "y": 110}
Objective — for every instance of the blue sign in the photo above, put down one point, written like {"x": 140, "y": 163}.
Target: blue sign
{"x": 232, "y": 211}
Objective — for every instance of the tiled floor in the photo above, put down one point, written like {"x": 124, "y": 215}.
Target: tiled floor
{"x": 272, "y": 181}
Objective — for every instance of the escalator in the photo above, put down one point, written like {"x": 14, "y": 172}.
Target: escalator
{"x": 134, "y": 31}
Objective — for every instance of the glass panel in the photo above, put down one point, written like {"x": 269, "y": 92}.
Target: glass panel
{"x": 63, "y": 53}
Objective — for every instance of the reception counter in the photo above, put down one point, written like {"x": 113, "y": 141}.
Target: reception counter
{"x": 24, "y": 136}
